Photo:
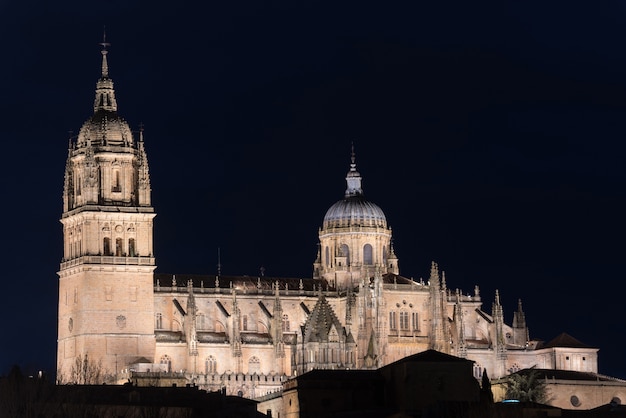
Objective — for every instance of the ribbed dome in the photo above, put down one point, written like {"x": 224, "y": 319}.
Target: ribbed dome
{"x": 105, "y": 128}
{"x": 355, "y": 211}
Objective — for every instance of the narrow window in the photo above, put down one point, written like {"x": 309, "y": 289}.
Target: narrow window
{"x": 285, "y": 323}
{"x": 392, "y": 320}
{"x": 414, "y": 320}
{"x": 131, "y": 248}
{"x": 159, "y": 321}
{"x": 345, "y": 251}
{"x": 327, "y": 256}
{"x": 133, "y": 293}
{"x": 118, "y": 247}
{"x": 108, "y": 293}
{"x": 116, "y": 186}
{"x": 245, "y": 323}
{"x": 368, "y": 258}
{"x": 107, "y": 246}
{"x": 404, "y": 320}
{"x": 210, "y": 365}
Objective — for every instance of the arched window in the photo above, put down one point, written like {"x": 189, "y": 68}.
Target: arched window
{"x": 159, "y": 321}
{"x": 254, "y": 365}
{"x": 132, "y": 252}
{"x": 368, "y": 258}
{"x": 118, "y": 247}
{"x": 244, "y": 323}
{"x": 106, "y": 244}
{"x": 415, "y": 321}
{"x": 210, "y": 365}
{"x": 404, "y": 320}
{"x": 345, "y": 251}
{"x": 385, "y": 255}
{"x": 285, "y": 323}
{"x": 165, "y": 359}
{"x": 327, "y": 256}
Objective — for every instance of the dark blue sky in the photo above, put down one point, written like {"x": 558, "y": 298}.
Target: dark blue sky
{"x": 491, "y": 134}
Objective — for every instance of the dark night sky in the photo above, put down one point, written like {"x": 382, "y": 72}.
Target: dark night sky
{"x": 490, "y": 133}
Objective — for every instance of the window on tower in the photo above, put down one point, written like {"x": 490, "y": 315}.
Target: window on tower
{"x": 132, "y": 252}
{"x": 116, "y": 185}
{"x": 106, "y": 244}
{"x": 118, "y": 247}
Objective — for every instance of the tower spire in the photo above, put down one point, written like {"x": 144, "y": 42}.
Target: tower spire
{"x": 353, "y": 178}
{"x": 104, "y": 44}
{"x": 105, "y": 95}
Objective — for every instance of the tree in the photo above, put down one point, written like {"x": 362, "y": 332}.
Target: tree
{"x": 23, "y": 396}
{"x": 86, "y": 371}
{"x": 527, "y": 386}
{"x": 485, "y": 388}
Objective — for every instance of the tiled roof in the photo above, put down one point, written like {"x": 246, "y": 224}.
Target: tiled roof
{"x": 565, "y": 340}
{"x": 320, "y": 322}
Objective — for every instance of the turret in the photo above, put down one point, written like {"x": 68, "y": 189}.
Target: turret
{"x": 520, "y": 330}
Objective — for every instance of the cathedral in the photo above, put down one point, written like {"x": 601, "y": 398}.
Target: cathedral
{"x": 248, "y": 335}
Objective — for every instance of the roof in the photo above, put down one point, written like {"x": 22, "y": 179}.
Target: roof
{"x": 565, "y": 340}
{"x": 249, "y": 283}
{"x": 552, "y": 374}
{"x": 431, "y": 356}
{"x": 320, "y": 322}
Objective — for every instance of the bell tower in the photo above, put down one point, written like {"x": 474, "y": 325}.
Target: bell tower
{"x": 106, "y": 312}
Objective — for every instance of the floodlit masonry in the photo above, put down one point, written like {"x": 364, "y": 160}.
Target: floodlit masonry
{"x": 119, "y": 320}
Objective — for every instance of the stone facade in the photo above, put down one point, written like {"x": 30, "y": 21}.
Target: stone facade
{"x": 248, "y": 335}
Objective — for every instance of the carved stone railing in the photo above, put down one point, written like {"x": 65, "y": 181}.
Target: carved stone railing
{"x": 108, "y": 259}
